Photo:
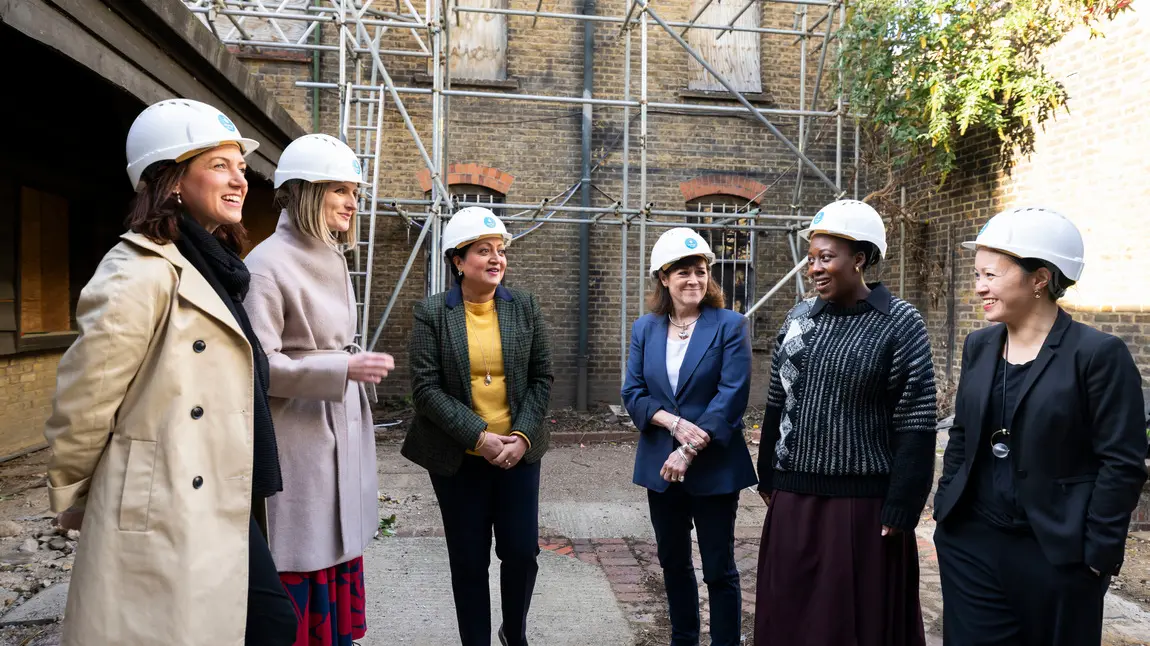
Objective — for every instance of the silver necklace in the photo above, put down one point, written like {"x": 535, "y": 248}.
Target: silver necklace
{"x": 1001, "y": 449}
{"x": 683, "y": 329}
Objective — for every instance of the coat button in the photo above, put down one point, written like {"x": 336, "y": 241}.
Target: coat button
{"x": 199, "y": 346}
{"x": 1021, "y": 473}
{"x": 197, "y": 482}
{"x": 197, "y": 412}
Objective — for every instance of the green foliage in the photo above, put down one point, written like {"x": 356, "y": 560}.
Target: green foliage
{"x": 924, "y": 72}
{"x": 387, "y": 526}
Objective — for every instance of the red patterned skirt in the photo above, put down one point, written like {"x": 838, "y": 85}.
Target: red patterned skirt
{"x": 329, "y": 603}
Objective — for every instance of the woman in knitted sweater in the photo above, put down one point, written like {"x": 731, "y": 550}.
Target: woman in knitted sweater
{"x": 847, "y": 452}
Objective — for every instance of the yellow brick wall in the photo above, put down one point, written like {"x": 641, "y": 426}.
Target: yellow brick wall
{"x": 27, "y": 383}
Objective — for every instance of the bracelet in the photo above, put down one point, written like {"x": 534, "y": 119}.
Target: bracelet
{"x": 675, "y": 427}
{"x": 683, "y": 454}
{"x": 482, "y": 437}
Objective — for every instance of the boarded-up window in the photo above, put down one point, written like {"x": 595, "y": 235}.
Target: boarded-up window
{"x": 479, "y": 42}
{"x": 735, "y": 55}
{"x": 45, "y": 292}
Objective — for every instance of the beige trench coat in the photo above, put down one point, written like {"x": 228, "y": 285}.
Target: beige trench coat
{"x": 302, "y": 308}
{"x": 152, "y": 433}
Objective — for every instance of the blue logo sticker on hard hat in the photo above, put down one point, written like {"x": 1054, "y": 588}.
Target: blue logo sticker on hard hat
{"x": 227, "y": 123}
{"x": 691, "y": 243}
{"x": 818, "y": 217}
{"x": 355, "y": 165}
{"x": 489, "y": 221}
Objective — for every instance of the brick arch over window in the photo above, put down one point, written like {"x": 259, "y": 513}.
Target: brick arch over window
{"x": 737, "y": 185}
{"x": 474, "y": 174}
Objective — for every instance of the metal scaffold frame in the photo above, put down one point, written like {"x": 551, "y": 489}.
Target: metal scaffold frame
{"x": 365, "y": 85}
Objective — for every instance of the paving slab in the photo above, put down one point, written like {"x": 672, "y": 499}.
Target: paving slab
{"x": 45, "y": 607}
{"x": 596, "y": 520}
{"x": 409, "y": 598}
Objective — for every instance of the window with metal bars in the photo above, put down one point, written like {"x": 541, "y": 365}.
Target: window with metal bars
{"x": 469, "y": 193}
{"x": 734, "y": 249}
{"x": 475, "y": 194}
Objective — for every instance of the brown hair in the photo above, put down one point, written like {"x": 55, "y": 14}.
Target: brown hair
{"x": 155, "y": 212}
{"x": 659, "y": 299}
{"x": 304, "y": 203}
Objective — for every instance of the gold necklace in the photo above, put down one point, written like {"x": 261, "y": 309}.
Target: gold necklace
{"x": 482, "y": 352}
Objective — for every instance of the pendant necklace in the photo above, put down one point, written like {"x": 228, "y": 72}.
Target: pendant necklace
{"x": 1001, "y": 449}
{"x": 683, "y": 329}
{"x": 482, "y": 353}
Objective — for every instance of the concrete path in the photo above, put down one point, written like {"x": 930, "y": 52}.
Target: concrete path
{"x": 409, "y": 598}
{"x": 599, "y": 580}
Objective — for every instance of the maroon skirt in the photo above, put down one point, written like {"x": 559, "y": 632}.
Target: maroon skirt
{"x": 827, "y": 576}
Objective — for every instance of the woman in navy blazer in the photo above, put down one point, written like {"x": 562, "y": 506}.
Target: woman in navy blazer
{"x": 688, "y": 379}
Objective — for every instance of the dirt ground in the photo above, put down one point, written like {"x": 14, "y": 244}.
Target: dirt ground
{"x": 1134, "y": 582}
{"x": 35, "y": 555}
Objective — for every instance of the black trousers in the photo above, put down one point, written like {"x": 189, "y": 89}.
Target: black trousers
{"x": 672, "y": 514}
{"x": 480, "y": 498}
{"x": 272, "y": 619}
{"x": 998, "y": 589}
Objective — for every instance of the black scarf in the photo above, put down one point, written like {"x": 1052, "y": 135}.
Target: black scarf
{"x": 227, "y": 274}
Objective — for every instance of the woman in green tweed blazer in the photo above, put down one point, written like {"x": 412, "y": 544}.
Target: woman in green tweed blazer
{"x": 481, "y": 383}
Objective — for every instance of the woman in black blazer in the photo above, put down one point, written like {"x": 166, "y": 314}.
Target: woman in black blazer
{"x": 1045, "y": 460}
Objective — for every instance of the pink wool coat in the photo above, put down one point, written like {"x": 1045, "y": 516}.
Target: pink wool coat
{"x": 302, "y": 308}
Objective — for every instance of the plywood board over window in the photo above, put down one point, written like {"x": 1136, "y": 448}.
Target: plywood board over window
{"x": 478, "y": 42}
{"x": 45, "y": 291}
{"x": 735, "y": 55}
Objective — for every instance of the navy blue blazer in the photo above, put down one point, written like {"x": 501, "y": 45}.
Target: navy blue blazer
{"x": 714, "y": 385}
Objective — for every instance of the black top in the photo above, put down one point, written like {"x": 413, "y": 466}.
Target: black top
{"x": 993, "y": 496}
{"x": 851, "y": 405}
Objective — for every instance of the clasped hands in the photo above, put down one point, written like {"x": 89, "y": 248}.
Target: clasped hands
{"x": 503, "y": 451}
{"x": 692, "y": 440}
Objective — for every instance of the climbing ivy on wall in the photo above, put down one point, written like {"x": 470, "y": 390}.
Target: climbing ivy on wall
{"x": 922, "y": 73}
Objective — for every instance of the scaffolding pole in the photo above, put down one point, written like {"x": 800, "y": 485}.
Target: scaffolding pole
{"x": 362, "y": 107}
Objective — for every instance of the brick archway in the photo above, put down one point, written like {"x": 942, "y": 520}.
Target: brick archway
{"x": 737, "y": 185}
{"x": 475, "y": 174}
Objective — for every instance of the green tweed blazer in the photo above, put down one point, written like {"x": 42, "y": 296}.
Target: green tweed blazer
{"x": 445, "y": 425}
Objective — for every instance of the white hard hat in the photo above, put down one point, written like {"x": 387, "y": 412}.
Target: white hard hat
{"x": 169, "y": 130}
{"x": 676, "y": 244}
{"x": 318, "y": 158}
{"x": 850, "y": 219}
{"x": 1035, "y": 232}
{"x": 471, "y": 224}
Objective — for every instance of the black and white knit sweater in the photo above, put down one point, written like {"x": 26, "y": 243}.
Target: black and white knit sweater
{"x": 851, "y": 406}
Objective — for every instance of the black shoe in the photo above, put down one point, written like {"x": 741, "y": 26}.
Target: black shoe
{"x": 503, "y": 638}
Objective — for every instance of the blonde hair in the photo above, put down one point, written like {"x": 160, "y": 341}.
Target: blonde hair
{"x": 303, "y": 201}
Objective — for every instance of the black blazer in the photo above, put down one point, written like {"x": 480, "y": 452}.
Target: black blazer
{"x": 1078, "y": 440}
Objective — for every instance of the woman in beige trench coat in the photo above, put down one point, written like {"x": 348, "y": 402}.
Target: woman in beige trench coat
{"x": 160, "y": 442}
{"x": 303, "y": 309}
